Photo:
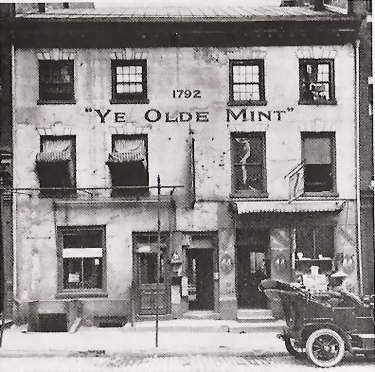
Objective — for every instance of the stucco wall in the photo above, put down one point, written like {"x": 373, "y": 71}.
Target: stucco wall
{"x": 205, "y": 69}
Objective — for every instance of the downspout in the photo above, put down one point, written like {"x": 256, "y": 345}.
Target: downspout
{"x": 357, "y": 166}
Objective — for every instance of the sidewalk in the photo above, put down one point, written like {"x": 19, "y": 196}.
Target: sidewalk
{"x": 176, "y": 337}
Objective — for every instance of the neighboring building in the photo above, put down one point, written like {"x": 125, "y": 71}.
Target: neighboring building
{"x": 6, "y": 245}
{"x": 259, "y": 127}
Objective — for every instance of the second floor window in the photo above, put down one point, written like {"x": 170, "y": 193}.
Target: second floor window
{"x": 128, "y": 165}
{"x": 249, "y": 173}
{"x": 246, "y": 82}
{"x": 318, "y": 151}
{"x": 316, "y": 81}
{"x": 56, "y": 165}
{"x": 129, "y": 81}
{"x": 56, "y": 81}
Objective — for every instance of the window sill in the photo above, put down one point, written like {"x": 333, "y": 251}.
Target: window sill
{"x": 79, "y": 294}
{"x": 249, "y": 194}
{"x": 55, "y": 102}
{"x": 247, "y": 103}
{"x": 115, "y": 101}
{"x": 318, "y": 103}
{"x": 322, "y": 194}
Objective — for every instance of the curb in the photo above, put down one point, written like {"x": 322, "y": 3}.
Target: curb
{"x": 134, "y": 354}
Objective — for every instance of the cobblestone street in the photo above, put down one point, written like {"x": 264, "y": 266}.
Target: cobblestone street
{"x": 192, "y": 363}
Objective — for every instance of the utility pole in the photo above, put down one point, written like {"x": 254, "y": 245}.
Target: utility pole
{"x": 4, "y": 304}
{"x": 158, "y": 271}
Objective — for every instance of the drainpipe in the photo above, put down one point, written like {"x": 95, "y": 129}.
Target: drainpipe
{"x": 357, "y": 167}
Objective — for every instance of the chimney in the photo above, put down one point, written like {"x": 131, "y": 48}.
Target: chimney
{"x": 319, "y": 5}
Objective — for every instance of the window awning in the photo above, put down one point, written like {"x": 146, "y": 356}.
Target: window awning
{"x": 53, "y": 156}
{"x": 126, "y": 157}
{"x": 296, "y": 206}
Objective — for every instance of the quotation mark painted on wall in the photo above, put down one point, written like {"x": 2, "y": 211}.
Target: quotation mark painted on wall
{"x": 290, "y": 109}
{"x": 88, "y": 109}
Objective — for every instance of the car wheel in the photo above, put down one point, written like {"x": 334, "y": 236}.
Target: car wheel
{"x": 297, "y": 352}
{"x": 325, "y": 347}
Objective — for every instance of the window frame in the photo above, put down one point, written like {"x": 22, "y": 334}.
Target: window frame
{"x": 127, "y": 192}
{"x": 316, "y": 62}
{"x": 130, "y": 98}
{"x": 46, "y": 193}
{"x": 80, "y": 292}
{"x": 43, "y": 99}
{"x": 247, "y": 62}
{"x": 332, "y": 137}
{"x": 249, "y": 193}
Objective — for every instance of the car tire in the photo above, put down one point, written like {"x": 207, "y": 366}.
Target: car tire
{"x": 325, "y": 347}
{"x": 295, "y": 351}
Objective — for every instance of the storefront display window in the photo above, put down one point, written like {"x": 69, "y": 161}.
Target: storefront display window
{"x": 314, "y": 247}
{"x": 82, "y": 256}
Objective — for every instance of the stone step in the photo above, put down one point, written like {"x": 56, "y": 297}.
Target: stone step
{"x": 255, "y": 315}
{"x": 200, "y": 314}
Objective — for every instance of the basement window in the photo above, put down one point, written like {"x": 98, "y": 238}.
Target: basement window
{"x": 56, "y": 165}
{"x": 128, "y": 165}
{"x": 81, "y": 258}
{"x": 316, "y": 81}
{"x": 56, "y": 81}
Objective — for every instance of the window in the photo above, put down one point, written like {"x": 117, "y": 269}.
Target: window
{"x": 81, "y": 258}
{"x": 248, "y": 154}
{"x": 56, "y": 165}
{"x": 316, "y": 81}
{"x": 129, "y": 81}
{"x": 56, "y": 82}
{"x": 246, "y": 82}
{"x": 128, "y": 165}
{"x": 314, "y": 247}
{"x": 146, "y": 248}
{"x": 318, "y": 152}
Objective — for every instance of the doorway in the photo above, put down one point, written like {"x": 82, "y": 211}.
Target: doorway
{"x": 253, "y": 265}
{"x": 200, "y": 279}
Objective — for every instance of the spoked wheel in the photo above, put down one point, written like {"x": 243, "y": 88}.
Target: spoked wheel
{"x": 297, "y": 352}
{"x": 325, "y": 347}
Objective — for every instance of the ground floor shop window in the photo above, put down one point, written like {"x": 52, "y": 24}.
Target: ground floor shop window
{"x": 314, "y": 247}
{"x": 81, "y": 258}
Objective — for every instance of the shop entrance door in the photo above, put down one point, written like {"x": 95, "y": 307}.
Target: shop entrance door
{"x": 253, "y": 265}
{"x": 200, "y": 279}
{"x": 147, "y": 285}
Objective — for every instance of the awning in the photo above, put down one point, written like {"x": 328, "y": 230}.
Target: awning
{"x": 53, "y": 156}
{"x": 126, "y": 157}
{"x": 296, "y": 206}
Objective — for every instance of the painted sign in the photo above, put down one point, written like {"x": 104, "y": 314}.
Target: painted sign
{"x": 226, "y": 263}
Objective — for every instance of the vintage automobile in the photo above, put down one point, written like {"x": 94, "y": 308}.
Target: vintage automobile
{"x": 323, "y": 325}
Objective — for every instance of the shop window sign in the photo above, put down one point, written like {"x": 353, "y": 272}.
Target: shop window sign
{"x": 316, "y": 81}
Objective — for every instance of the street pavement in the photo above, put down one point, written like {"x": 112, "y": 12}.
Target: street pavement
{"x": 186, "y": 363}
